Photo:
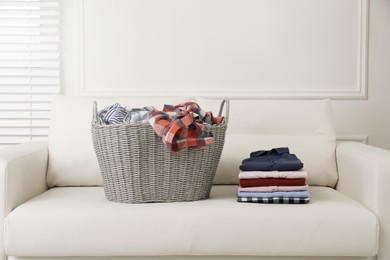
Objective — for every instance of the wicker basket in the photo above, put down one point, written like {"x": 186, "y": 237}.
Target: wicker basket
{"x": 137, "y": 167}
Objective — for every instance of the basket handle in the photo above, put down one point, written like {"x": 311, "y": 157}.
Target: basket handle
{"x": 94, "y": 112}
{"x": 225, "y": 103}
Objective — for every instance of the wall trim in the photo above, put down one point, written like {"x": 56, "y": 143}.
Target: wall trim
{"x": 360, "y": 91}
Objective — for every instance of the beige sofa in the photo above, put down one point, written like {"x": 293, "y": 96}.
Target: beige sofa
{"x": 54, "y": 207}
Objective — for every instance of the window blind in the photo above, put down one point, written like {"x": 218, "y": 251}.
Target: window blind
{"x": 29, "y": 68}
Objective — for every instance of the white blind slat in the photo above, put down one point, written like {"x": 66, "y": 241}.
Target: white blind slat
{"x": 12, "y": 21}
{"x": 21, "y": 131}
{"x": 13, "y": 106}
{"x": 29, "y": 68}
{"x": 29, "y": 81}
{"x": 28, "y": 22}
{"x": 29, "y": 48}
{"x": 33, "y": 14}
{"x": 21, "y": 30}
{"x": 25, "y": 114}
{"x": 27, "y": 38}
{"x": 26, "y": 72}
{"x": 26, "y": 89}
{"x": 24, "y": 56}
{"x": 24, "y": 123}
{"x": 20, "y": 139}
{"x": 30, "y": 64}
{"x": 27, "y": 97}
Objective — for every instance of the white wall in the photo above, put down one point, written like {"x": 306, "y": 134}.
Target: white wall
{"x": 238, "y": 48}
{"x": 371, "y": 117}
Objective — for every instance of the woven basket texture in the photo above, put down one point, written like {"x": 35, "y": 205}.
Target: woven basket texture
{"x": 138, "y": 168}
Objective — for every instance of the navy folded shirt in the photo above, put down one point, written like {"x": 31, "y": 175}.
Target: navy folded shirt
{"x": 277, "y": 159}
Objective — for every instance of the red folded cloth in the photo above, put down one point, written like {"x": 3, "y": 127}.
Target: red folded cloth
{"x": 272, "y": 182}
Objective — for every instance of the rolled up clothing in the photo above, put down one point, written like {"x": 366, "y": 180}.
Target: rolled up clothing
{"x": 271, "y": 182}
{"x": 273, "y": 188}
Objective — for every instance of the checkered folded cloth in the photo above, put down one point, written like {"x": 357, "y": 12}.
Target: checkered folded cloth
{"x": 184, "y": 126}
{"x": 275, "y": 200}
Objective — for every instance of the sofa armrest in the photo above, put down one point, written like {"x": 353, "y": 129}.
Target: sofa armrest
{"x": 23, "y": 173}
{"x": 22, "y": 177}
{"x": 364, "y": 175}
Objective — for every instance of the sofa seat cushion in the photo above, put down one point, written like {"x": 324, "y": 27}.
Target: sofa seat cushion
{"x": 79, "y": 221}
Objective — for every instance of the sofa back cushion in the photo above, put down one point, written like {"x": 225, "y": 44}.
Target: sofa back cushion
{"x": 72, "y": 159}
{"x": 305, "y": 126}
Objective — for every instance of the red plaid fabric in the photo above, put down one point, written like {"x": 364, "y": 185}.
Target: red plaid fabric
{"x": 184, "y": 126}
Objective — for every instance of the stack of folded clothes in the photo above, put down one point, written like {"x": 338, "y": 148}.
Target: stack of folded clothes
{"x": 273, "y": 176}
